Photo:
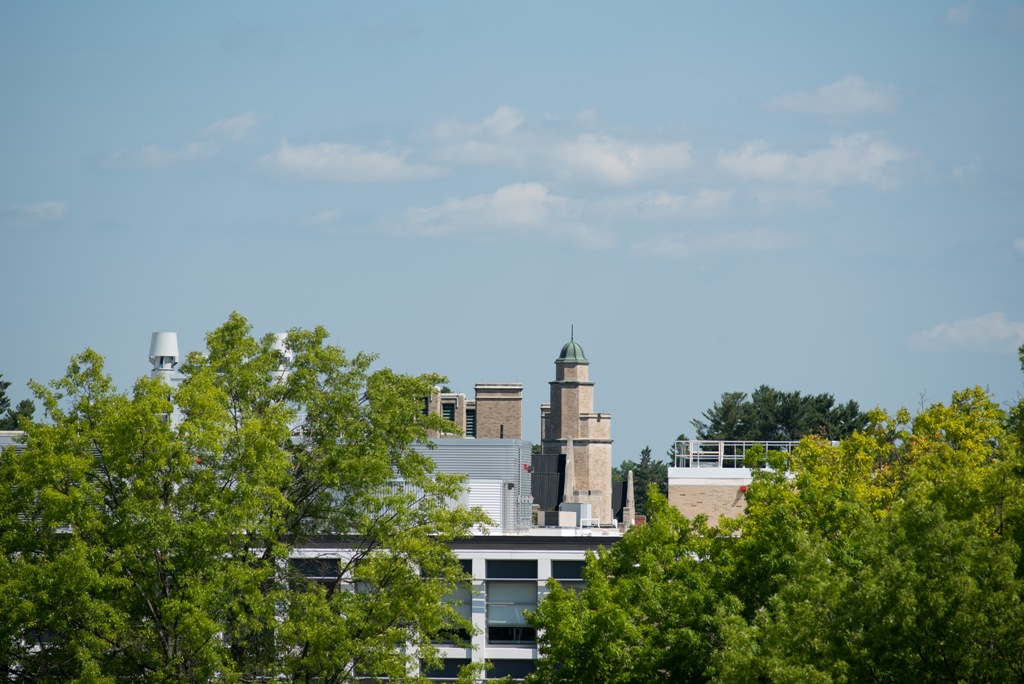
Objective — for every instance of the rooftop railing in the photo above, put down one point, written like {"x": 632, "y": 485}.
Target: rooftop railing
{"x": 711, "y": 453}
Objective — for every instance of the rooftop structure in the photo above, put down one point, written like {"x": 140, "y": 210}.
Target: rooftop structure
{"x": 576, "y": 441}
{"x": 709, "y": 476}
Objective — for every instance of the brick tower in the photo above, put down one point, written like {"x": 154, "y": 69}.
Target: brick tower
{"x": 570, "y": 427}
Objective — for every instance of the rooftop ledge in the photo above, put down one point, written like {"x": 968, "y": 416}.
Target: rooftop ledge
{"x": 724, "y": 454}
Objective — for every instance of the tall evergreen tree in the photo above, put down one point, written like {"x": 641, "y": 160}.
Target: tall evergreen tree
{"x": 10, "y": 419}
{"x": 770, "y": 414}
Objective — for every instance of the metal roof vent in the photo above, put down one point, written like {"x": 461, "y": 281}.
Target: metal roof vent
{"x": 163, "y": 352}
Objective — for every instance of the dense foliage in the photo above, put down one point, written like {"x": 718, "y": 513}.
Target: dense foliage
{"x": 770, "y": 414}
{"x": 11, "y": 418}
{"x": 646, "y": 473}
{"x": 137, "y": 547}
{"x": 894, "y": 556}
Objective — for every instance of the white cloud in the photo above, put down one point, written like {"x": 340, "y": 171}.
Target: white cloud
{"x": 502, "y": 122}
{"x": 687, "y": 245}
{"x": 959, "y": 14}
{"x": 346, "y": 163}
{"x": 491, "y": 141}
{"x": 517, "y": 210}
{"x": 604, "y": 159}
{"x": 558, "y": 147}
{"x": 34, "y": 214}
{"x": 858, "y": 159}
{"x": 971, "y": 168}
{"x": 991, "y": 332}
{"x": 237, "y": 127}
{"x": 155, "y": 157}
{"x": 848, "y": 97}
{"x": 1018, "y": 245}
{"x": 705, "y": 203}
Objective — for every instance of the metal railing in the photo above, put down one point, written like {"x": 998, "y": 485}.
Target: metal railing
{"x": 710, "y": 453}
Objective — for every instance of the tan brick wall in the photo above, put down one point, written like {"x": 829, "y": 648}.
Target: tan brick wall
{"x": 434, "y": 406}
{"x": 499, "y": 411}
{"x": 711, "y": 500}
{"x": 586, "y": 398}
{"x": 596, "y": 426}
{"x": 571, "y": 371}
{"x": 569, "y": 414}
{"x": 592, "y": 467}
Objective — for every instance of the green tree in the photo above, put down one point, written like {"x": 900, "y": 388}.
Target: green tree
{"x": 10, "y": 419}
{"x": 892, "y": 556}
{"x": 770, "y": 414}
{"x": 647, "y": 473}
{"x": 138, "y": 546}
{"x": 672, "y": 451}
{"x": 650, "y": 611}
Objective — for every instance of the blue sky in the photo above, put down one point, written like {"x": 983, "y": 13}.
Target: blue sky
{"x": 816, "y": 197}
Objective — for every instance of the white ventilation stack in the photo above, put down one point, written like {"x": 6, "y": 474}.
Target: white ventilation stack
{"x": 281, "y": 345}
{"x": 163, "y": 354}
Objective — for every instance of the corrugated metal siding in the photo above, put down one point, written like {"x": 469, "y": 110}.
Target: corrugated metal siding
{"x": 485, "y": 461}
{"x": 487, "y": 495}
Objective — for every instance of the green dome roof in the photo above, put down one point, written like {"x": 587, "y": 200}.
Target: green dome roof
{"x": 572, "y": 352}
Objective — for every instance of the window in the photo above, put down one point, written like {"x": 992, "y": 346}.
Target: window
{"x": 462, "y": 597}
{"x": 512, "y": 569}
{"x": 448, "y": 672}
{"x": 448, "y": 410}
{"x": 516, "y": 669}
{"x": 569, "y": 574}
{"x": 471, "y": 422}
{"x": 568, "y": 569}
{"x": 321, "y": 570}
{"x": 511, "y": 591}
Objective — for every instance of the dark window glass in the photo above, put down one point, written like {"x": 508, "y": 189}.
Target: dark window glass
{"x": 511, "y": 569}
{"x": 517, "y": 669}
{"x": 315, "y": 568}
{"x": 466, "y": 563}
{"x": 448, "y": 672}
{"x": 497, "y": 634}
{"x": 567, "y": 569}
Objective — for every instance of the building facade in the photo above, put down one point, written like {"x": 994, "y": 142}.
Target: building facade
{"x": 710, "y": 477}
{"x": 579, "y": 437}
{"x": 496, "y": 411}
